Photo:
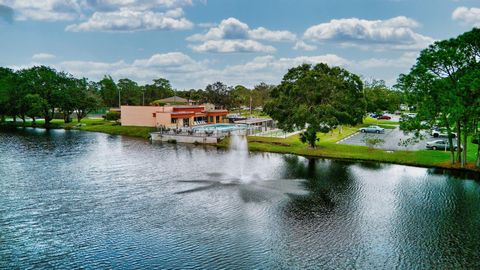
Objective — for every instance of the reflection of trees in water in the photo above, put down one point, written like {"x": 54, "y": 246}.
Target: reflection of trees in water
{"x": 371, "y": 165}
{"x": 464, "y": 175}
{"x": 326, "y": 180}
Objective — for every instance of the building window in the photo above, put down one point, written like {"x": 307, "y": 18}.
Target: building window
{"x": 154, "y": 114}
{"x": 174, "y": 120}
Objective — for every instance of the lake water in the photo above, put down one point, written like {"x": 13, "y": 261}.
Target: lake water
{"x": 72, "y": 199}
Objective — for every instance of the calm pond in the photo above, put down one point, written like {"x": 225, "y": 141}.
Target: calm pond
{"x": 71, "y": 199}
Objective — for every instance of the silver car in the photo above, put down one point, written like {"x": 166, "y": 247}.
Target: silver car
{"x": 372, "y": 129}
{"x": 440, "y": 145}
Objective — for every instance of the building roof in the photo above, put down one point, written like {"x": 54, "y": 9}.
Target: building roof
{"x": 173, "y": 99}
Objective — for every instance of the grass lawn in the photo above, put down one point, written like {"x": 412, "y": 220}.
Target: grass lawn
{"x": 373, "y": 121}
{"x": 328, "y": 148}
{"x": 96, "y": 125}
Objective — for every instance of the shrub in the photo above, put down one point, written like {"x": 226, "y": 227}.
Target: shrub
{"x": 112, "y": 116}
{"x": 372, "y": 141}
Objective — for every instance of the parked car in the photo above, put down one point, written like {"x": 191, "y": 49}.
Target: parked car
{"x": 373, "y": 115}
{"x": 384, "y": 117}
{"x": 372, "y": 129}
{"x": 440, "y": 145}
{"x": 397, "y": 112}
{"x": 437, "y": 132}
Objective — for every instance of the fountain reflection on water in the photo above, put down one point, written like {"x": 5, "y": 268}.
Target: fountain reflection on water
{"x": 236, "y": 171}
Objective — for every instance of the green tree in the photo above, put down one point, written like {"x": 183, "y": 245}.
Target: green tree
{"x": 219, "y": 94}
{"x": 159, "y": 89}
{"x": 34, "y": 106}
{"x": 7, "y": 82}
{"x": 380, "y": 98}
{"x": 319, "y": 98}
{"x": 445, "y": 88}
{"x": 68, "y": 98}
{"x": 130, "y": 92}
{"x": 48, "y": 84}
{"x": 261, "y": 94}
{"x": 194, "y": 95}
{"x": 241, "y": 96}
{"x": 109, "y": 92}
{"x": 85, "y": 98}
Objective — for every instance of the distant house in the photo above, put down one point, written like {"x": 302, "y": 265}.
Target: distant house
{"x": 172, "y": 115}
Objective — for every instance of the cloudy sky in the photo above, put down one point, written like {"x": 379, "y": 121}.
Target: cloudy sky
{"x": 196, "y": 42}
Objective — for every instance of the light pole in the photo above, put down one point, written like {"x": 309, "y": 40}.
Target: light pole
{"x": 119, "y": 101}
{"x": 250, "y": 105}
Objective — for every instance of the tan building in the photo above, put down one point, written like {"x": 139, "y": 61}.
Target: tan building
{"x": 171, "y": 116}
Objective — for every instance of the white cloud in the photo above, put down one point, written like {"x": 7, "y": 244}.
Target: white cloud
{"x": 137, "y": 4}
{"x": 232, "y": 35}
{"x": 67, "y": 10}
{"x": 232, "y": 28}
{"x": 172, "y": 66}
{"x": 262, "y": 33}
{"x": 43, "y": 57}
{"x": 466, "y": 15}
{"x": 105, "y": 15}
{"x": 132, "y": 20}
{"x": 184, "y": 72}
{"x": 301, "y": 45}
{"x": 231, "y": 46}
{"x": 406, "y": 60}
{"x": 45, "y": 10}
{"x": 395, "y": 33}
{"x": 171, "y": 59}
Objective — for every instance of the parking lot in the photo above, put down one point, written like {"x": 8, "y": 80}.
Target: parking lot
{"x": 392, "y": 138}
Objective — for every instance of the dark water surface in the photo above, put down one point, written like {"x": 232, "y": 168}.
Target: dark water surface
{"x": 85, "y": 200}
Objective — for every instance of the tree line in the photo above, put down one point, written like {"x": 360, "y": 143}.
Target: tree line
{"x": 43, "y": 92}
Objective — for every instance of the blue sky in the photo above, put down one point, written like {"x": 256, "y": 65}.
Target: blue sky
{"x": 196, "y": 42}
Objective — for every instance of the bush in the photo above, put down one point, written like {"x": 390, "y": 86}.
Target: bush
{"x": 372, "y": 141}
{"x": 112, "y": 116}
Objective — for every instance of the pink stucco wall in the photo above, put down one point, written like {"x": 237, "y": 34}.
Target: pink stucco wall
{"x": 145, "y": 116}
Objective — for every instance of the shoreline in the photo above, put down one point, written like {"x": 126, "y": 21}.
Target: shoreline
{"x": 268, "y": 145}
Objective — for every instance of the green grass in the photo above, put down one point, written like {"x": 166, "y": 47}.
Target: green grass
{"x": 96, "y": 125}
{"x": 139, "y": 132}
{"x": 328, "y": 148}
{"x": 373, "y": 121}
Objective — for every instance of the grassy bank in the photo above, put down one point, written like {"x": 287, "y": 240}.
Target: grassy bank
{"x": 327, "y": 148}
{"x": 94, "y": 125}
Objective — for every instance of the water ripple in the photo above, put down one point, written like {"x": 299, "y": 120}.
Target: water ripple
{"x": 70, "y": 199}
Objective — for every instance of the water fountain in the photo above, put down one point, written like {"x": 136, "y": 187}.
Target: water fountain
{"x": 240, "y": 171}
{"x": 238, "y": 156}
